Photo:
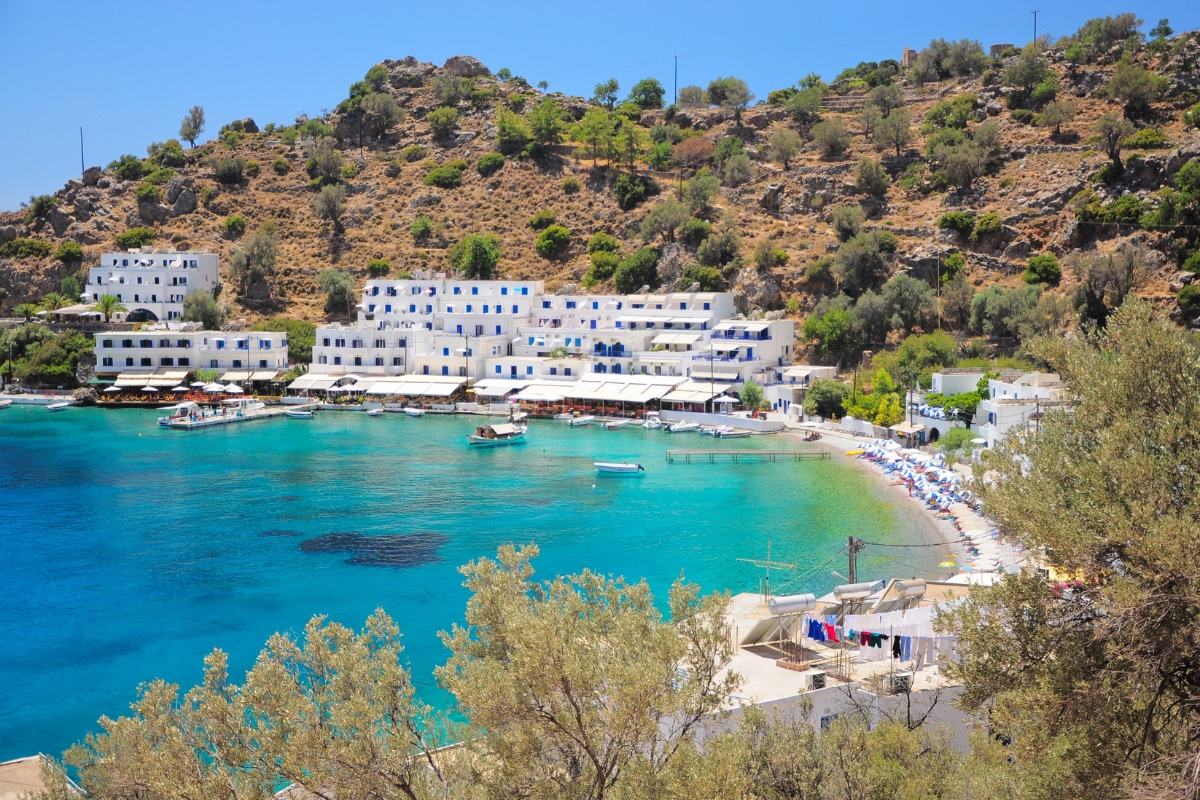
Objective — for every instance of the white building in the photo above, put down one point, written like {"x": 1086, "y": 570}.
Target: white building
{"x": 150, "y": 283}
{"x": 1015, "y": 401}
{"x": 181, "y": 349}
{"x": 743, "y": 349}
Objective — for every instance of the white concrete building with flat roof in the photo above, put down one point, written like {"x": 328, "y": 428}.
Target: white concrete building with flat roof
{"x": 185, "y": 351}
{"x": 150, "y": 283}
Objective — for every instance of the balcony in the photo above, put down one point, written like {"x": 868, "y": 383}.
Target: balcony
{"x": 614, "y": 351}
{"x": 764, "y": 336}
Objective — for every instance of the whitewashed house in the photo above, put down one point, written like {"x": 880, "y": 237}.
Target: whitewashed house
{"x": 150, "y": 283}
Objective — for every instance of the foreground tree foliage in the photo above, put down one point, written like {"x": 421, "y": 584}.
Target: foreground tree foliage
{"x": 1101, "y": 677}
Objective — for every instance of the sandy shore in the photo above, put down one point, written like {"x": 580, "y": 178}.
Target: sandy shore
{"x": 940, "y": 530}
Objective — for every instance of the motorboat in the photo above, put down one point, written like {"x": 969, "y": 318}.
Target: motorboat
{"x": 616, "y": 424}
{"x": 710, "y": 430}
{"x": 497, "y": 434}
{"x": 564, "y": 415}
{"x": 58, "y": 406}
{"x": 652, "y": 421}
{"x": 734, "y": 434}
{"x": 618, "y": 469}
{"x": 294, "y": 414}
{"x": 684, "y": 427}
{"x": 5, "y": 403}
{"x": 414, "y": 412}
{"x": 179, "y": 412}
{"x": 374, "y": 412}
{"x": 579, "y": 422}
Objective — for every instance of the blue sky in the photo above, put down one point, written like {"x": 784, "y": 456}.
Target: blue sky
{"x": 127, "y": 72}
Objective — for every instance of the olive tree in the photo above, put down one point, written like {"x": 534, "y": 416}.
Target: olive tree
{"x": 831, "y": 136}
{"x": 785, "y": 145}
{"x": 330, "y": 204}
{"x": 380, "y": 112}
{"x": 730, "y": 93}
{"x": 192, "y": 125}
{"x": 1113, "y": 130}
{"x": 254, "y": 262}
{"x": 894, "y": 131}
{"x": 870, "y": 177}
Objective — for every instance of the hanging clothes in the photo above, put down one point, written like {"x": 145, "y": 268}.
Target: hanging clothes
{"x": 830, "y": 633}
{"x": 896, "y": 647}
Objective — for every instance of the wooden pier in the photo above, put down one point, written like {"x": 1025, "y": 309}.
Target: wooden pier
{"x": 813, "y": 453}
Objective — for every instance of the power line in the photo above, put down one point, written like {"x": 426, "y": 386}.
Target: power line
{"x": 881, "y": 544}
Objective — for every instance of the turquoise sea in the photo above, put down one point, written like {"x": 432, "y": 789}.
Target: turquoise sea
{"x": 131, "y": 551}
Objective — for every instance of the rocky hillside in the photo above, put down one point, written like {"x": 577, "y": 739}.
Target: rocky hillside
{"x": 1029, "y": 181}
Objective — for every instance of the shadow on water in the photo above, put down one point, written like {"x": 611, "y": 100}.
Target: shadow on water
{"x": 390, "y": 550}
{"x": 281, "y": 532}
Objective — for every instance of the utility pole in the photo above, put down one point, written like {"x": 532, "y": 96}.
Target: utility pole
{"x": 853, "y": 546}
{"x": 1035, "y": 13}
{"x": 676, "y": 80}
{"x": 82, "y": 168}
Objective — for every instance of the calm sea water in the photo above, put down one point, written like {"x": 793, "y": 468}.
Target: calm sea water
{"x": 131, "y": 551}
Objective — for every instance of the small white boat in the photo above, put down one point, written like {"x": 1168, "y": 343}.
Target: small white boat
{"x": 619, "y": 469}
{"x": 58, "y": 406}
{"x": 180, "y": 412}
{"x": 616, "y": 424}
{"x": 684, "y": 427}
{"x": 414, "y": 412}
{"x": 564, "y": 416}
{"x": 497, "y": 434}
{"x": 733, "y": 434}
{"x": 300, "y": 414}
{"x": 579, "y": 422}
{"x": 5, "y": 403}
{"x": 710, "y": 430}
{"x": 374, "y": 412}
{"x": 652, "y": 421}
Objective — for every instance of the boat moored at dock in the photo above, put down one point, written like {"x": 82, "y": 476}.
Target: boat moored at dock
{"x": 580, "y": 422}
{"x": 497, "y": 434}
{"x": 414, "y": 412}
{"x": 616, "y": 424}
{"x": 618, "y": 469}
{"x": 59, "y": 406}
{"x": 293, "y": 414}
{"x": 683, "y": 427}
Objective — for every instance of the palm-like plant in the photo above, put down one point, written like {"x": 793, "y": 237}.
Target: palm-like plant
{"x": 108, "y": 304}
{"x": 54, "y": 301}
{"x": 26, "y": 311}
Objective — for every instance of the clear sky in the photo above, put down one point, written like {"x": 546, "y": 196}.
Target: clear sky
{"x": 128, "y": 71}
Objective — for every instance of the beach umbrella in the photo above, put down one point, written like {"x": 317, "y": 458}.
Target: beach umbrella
{"x": 113, "y": 389}
{"x": 214, "y": 387}
{"x": 198, "y": 385}
{"x": 149, "y": 389}
{"x": 233, "y": 388}
{"x": 724, "y": 399}
{"x": 180, "y": 389}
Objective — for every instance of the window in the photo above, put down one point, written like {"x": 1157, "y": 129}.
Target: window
{"x": 706, "y": 307}
{"x": 529, "y": 370}
{"x": 184, "y": 362}
{"x": 570, "y": 304}
{"x": 337, "y": 360}
{"x": 425, "y": 369}
{"x": 264, "y": 344}
{"x": 325, "y": 342}
{"x": 468, "y": 308}
{"x": 147, "y": 362}
{"x": 524, "y": 290}
{"x": 379, "y": 361}
{"x": 156, "y": 279}
{"x": 357, "y": 344}
{"x": 129, "y": 362}
{"x": 445, "y": 370}
{"x": 545, "y": 304}
{"x": 554, "y": 370}
{"x": 107, "y": 362}
{"x": 135, "y": 299}
{"x": 503, "y": 290}
{"x": 412, "y": 308}
{"x": 683, "y": 306}
{"x": 457, "y": 289}
{"x": 380, "y": 343}
{"x": 237, "y": 363}
{"x": 402, "y": 343}
{"x": 166, "y": 362}
{"x": 139, "y": 279}
{"x": 212, "y": 362}
{"x": 127, "y": 343}
{"x": 428, "y": 309}
{"x": 513, "y": 370}
{"x": 106, "y": 343}
{"x": 516, "y": 309}
{"x": 445, "y": 351}
{"x": 183, "y": 343}
{"x": 593, "y": 324}
{"x": 498, "y": 330}
{"x": 322, "y": 359}
{"x": 396, "y": 361}
{"x": 339, "y": 342}
{"x": 474, "y": 290}
{"x": 498, "y": 369}
{"x": 146, "y": 343}
{"x": 387, "y": 309}
{"x": 567, "y": 371}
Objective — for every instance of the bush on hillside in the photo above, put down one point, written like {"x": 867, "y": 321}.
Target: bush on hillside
{"x": 694, "y": 231}
{"x": 413, "y": 153}
{"x": 709, "y": 278}
{"x": 631, "y": 190}
{"x": 640, "y": 269}
{"x": 603, "y": 242}
{"x": 442, "y": 122}
{"x": 69, "y": 252}
{"x": 128, "y": 168}
{"x": 475, "y": 256}
{"x": 26, "y": 248}
{"x": 445, "y": 177}
{"x": 542, "y": 219}
{"x": 281, "y": 166}
{"x": 989, "y": 224}
{"x": 963, "y": 222}
{"x": 161, "y": 176}
{"x": 148, "y": 193}
{"x": 378, "y": 267}
{"x": 1042, "y": 268}
{"x": 831, "y": 137}
{"x": 553, "y": 241}
{"x": 1146, "y": 139}
{"x": 135, "y": 237}
{"x": 489, "y": 164}
{"x": 847, "y": 222}
{"x": 604, "y": 266}
{"x": 229, "y": 170}
{"x": 571, "y": 185}
{"x": 234, "y": 225}
{"x": 1189, "y": 299}
{"x": 422, "y": 227}
{"x": 871, "y": 178}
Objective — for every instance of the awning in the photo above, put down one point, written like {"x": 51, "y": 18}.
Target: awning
{"x": 316, "y": 382}
{"x": 907, "y": 428}
{"x": 235, "y": 375}
{"x": 714, "y": 373}
{"x": 633, "y": 389}
{"x": 676, "y": 338}
{"x": 498, "y": 387}
{"x": 414, "y": 385}
{"x": 694, "y": 392}
{"x": 264, "y": 375}
{"x": 159, "y": 377}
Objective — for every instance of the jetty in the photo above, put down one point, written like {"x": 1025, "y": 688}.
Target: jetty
{"x": 812, "y": 453}
{"x": 236, "y": 416}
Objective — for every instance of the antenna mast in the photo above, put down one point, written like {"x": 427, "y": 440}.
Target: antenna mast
{"x": 767, "y": 566}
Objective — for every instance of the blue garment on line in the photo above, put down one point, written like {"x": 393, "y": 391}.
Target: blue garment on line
{"x": 906, "y": 648}
{"x": 815, "y": 631}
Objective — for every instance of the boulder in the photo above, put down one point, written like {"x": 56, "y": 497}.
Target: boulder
{"x": 1186, "y": 277}
{"x": 1018, "y": 250}
{"x": 1153, "y": 259}
{"x": 249, "y": 125}
{"x": 755, "y": 290}
{"x": 86, "y": 236}
{"x": 759, "y": 121}
{"x": 7, "y": 233}
{"x": 672, "y": 258}
{"x": 185, "y": 203}
{"x": 153, "y": 212}
{"x": 85, "y": 396}
{"x": 91, "y": 176}
{"x": 175, "y": 187}
{"x": 994, "y": 108}
{"x": 60, "y": 220}
{"x": 422, "y": 200}
{"x": 463, "y": 137}
{"x": 772, "y": 196}
{"x": 465, "y": 67}
{"x": 408, "y": 71}
{"x": 683, "y": 119}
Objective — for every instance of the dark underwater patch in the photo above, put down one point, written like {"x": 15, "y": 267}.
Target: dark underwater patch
{"x": 399, "y": 551}
{"x": 281, "y": 532}
{"x": 289, "y": 498}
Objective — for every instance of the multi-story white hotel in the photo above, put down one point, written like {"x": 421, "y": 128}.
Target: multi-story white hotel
{"x": 161, "y": 348}
{"x": 428, "y": 325}
{"x": 150, "y": 283}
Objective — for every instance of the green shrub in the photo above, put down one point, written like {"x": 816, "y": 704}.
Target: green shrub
{"x": 69, "y": 252}
{"x": 289, "y": 136}
{"x": 604, "y": 265}
{"x": 252, "y": 168}
{"x": 148, "y": 193}
{"x": 694, "y": 231}
{"x": 1042, "y": 268}
{"x": 422, "y": 227}
{"x": 847, "y": 222}
{"x": 26, "y": 248}
{"x": 631, "y": 190}
{"x": 1146, "y": 139}
{"x": 571, "y": 185}
{"x": 442, "y": 122}
{"x": 281, "y": 166}
{"x": 229, "y": 170}
{"x": 135, "y": 237}
{"x": 542, "y": 219}
{"x": 989, "y": 225}
{"x": 953, "y": 267}
{"x": 1024, "y": 116}
{"x": 128, "y": 168}
{"x": 446, "y": 177}
{"x": 161, "y": 176}
{"x": 640, "y": 269}
{"x": 457, "y": 164}
{"x": 234, "y": 225}
{"x": 378, "y": 267}
{"x": 961, "y": 221}
{"x": 475, "y": 256}
{"x": 1189, "y": 299}
{"x": 709, "y": 278}
{"x": 552, "y": 241}
{"x": 602, "y": 242}
{"x": 490, "y": 164}
{"x": 414, "y": 152}
{"x": 315, "y": 129}
{"x": 349, "y": 171}
{"x": 947, "y": 137}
